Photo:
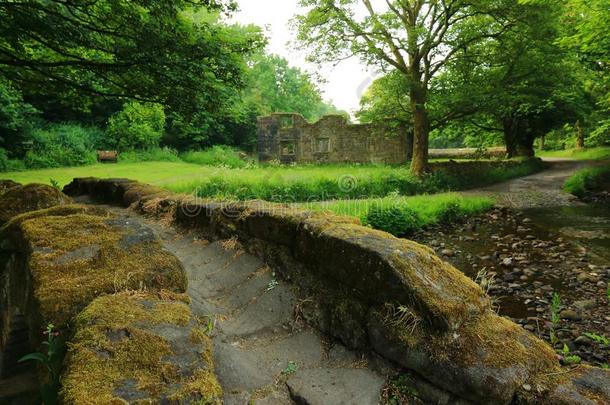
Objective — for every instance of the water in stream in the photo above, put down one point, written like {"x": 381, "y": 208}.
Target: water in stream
{"x": 534, "y": 254}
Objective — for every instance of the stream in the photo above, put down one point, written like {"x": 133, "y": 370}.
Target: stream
{"x": 532, "y": 255}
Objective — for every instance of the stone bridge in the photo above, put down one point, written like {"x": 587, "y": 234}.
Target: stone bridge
{"x": 177, "y": 300}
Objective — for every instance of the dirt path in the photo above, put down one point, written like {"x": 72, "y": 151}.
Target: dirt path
{"x": 542, "y": 189}
{"x": 263, "y": 355}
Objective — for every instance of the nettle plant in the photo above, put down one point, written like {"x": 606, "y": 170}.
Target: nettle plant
{"x": 52, "y": 361}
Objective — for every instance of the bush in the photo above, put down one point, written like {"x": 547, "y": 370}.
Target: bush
{"x": 216, "y": 156}
{"x": 59, "y": 145}
{"x": 587, "y": 180}
{"x": 150, "y": 155}
{"x": 9, "y": 165}
{"x": 137, "y": 126}
{"x": 397, "y": 220}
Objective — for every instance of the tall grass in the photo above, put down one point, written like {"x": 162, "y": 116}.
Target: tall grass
{"x": 215, "y": 156}
{"x": 336, "y": 182}
{"x": 586, "y": 180}
{"x": 423, "y": 210}
{"x": 150, "y": 155}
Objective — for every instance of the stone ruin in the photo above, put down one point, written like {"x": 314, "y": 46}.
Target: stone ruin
{"x": 289, "y": 138}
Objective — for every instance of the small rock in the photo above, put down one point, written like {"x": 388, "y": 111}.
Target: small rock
{"x": 508, "y": 262}
{"x": 527, "y": 387}
{"x": 448, "y": 252}
{"x": 570, "y": 315}
{"x": 583, "y": 341}
{"x": 585, "y": 304}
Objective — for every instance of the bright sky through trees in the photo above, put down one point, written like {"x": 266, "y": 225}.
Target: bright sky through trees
{"x": 344, "y": 83}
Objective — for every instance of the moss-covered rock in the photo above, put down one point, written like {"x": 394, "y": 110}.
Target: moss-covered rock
{"x": 139, "y": 348}
{"x": 7, "y": 184}
{"x": 73, "y": 259}
{"x": 485, "y": 361}
{"x": 31, "y": 197}
{"x": 580, "y": 385}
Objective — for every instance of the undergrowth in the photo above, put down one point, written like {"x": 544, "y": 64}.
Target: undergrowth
{"x": 586, "y": 180}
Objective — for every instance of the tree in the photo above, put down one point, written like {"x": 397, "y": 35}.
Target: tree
{"x": 70, "y": 57}
{"x": 137, "y": 126}
{"x": 418, "y": 38}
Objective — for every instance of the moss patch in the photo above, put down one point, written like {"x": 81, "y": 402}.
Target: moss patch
{"x": 120, "y": 353}
{"x": 31, "y": 197}
{"x": 75, "y": 258}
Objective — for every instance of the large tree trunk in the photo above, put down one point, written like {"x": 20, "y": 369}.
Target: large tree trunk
{"x": 406, "y": 132}
{"x": 519, "y": 142}
{"x": 580, "y": 139}
{"x": 421, "y": 128}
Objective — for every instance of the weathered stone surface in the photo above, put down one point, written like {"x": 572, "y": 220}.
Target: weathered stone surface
{"x": 59, "y": 259}
{"x": 440, "y": 325}
{"x": 485, "y": 361}
{"x": 290, "y": 138}
{"x": 335, "y": 386}
{"x": 139, "y": 348}
{"x": 581, "y": 385}
{"x": 6, "y": 184}
{"x": 31, "y": 197}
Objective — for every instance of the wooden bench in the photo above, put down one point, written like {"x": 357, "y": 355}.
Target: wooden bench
{"x": 107, "y": 156}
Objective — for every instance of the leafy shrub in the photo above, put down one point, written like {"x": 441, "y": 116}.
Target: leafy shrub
{"x": 397, "y": 220}
{"x": 137, "y": 126}
{"x": 9, "y": 165}
{"x": 150, "y": 155}
{"x": 59, "y": 145}
{"x": 450, "y": 212}
{"x": 586, "y": 180}
{"x": 215, "y": 156}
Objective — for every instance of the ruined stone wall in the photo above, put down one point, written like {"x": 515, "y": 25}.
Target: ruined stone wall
{"x": 289, "y": 138}
{"x": 392, "y": 296}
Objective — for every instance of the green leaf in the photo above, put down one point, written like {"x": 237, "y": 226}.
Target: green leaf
{"x": 34, "y": 356}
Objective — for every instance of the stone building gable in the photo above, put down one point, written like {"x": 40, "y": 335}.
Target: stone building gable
{"x": 289, "y": 138}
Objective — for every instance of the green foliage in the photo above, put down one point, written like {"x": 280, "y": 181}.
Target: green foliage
{"x": 59, "y": 145}
{"x": 137, "y": 126}
{"x": 429, "y": 209}
{"x": 598, "y": 338}
{"x": 291, "y": 368}
{"x": 150, "y": 155}
{"x": 52, "y": 361}
{"x": 399, "y": 391}
{"x": 218, "y": 155}
{"x": 397, "y": 220}
{"x": 568, "y": 358}
{"x": 587, "y": 180}
{"x": 10, "y": 165}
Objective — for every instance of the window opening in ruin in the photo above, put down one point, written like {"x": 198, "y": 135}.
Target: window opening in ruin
{"x": 322, "y": 145}
{"x": 287, "y": 148}
{"x": 286, "y": 121}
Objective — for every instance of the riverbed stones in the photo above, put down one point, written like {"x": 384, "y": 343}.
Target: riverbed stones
{"x": 570, "y": 314}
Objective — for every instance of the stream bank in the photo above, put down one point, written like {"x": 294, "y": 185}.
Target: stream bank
{"x": 540, "y": 243}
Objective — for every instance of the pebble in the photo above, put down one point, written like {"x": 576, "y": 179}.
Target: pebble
{"x": 448, "y": 252}
{"x": 570, "y": 315}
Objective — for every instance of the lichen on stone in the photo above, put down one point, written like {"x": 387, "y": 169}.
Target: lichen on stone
{"x": 121, "y": 353}
{"x": 75, "y": 258}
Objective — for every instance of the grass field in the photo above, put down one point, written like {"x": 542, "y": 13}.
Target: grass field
{"x": 158, "y": 173}
{"x": 280, "y": 184}
{"x": 431, "y": 209}
{"x": 600, "y": 153}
